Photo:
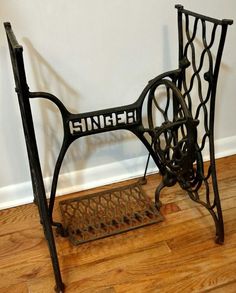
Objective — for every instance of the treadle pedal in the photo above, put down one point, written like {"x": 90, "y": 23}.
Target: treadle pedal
{"x": 107, "y": 213}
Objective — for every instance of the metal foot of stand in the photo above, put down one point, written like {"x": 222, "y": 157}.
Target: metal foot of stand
{"x": 60, "y": 289}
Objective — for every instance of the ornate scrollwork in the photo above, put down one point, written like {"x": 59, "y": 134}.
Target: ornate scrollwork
{"x": 174, "y": 135}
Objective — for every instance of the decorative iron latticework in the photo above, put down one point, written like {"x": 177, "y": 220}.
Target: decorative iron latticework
{"x": 201, "y": 42}
{"x": 180, "y": 112}
{"x": 108, "y": 213}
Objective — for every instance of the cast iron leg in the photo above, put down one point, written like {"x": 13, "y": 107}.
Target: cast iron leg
{"x": 59, "y": 288}
{"x": 219, "y": 221}
{"x": 47, "y": 228}
{"x": 167, "y": 181}
{"x": 157, "y": 194}
{"x": 216, "y": 214}
{"x": 143, "y": 180}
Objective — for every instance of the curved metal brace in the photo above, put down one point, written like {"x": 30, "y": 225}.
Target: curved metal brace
{"x": 167, "y": 181}
{"x": 173, "y": 74}
{"x": 217, "y": 217}
{"x": 220, "y": 227}
{"x": 64, "y": 148}
{"x": 159, "y": 188}
{"x": 52, "y": 98}
{"x": 65, "y": 145}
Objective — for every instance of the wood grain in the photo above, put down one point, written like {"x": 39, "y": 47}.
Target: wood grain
{"x": 19, "y": 288}
{"x": 177, "y": 255}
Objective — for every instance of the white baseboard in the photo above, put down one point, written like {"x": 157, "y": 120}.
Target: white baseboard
{"x": 18, "y": 194}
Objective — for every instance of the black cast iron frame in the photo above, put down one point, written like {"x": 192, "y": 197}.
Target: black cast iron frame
{"x": 175, "y": 161}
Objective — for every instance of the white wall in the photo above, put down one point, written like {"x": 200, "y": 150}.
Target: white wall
{"x": 92, "y": 55}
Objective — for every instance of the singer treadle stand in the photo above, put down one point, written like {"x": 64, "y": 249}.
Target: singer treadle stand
{"x": 171, "y": 138}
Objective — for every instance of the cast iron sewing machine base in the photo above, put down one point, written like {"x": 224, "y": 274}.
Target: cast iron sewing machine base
{"x": 180, "y": 125}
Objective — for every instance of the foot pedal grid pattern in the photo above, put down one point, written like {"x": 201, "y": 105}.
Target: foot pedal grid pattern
{"x": 108, "y": 213}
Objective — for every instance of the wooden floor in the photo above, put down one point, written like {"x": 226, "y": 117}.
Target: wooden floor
{"x": 177, "y": 255}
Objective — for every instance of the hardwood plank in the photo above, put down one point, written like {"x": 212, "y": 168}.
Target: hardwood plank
{"x": 174, "y": 256}
{"x": 24, "y": 242}
{"x": 228, "y": 288}
{"x": 198, "y": 236}
{"x": 23, "y": 271}
{"x": 134, "y": 240}
{"x": 205, "y": 282}
{"x": 23, "y": 255}
{"x": 18, "y": 288}
{"x": 18, "y": 219}
{"x": 146, "y": 266}
{"x": 45, "y": 285}
{"x": 147, "y": 237}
